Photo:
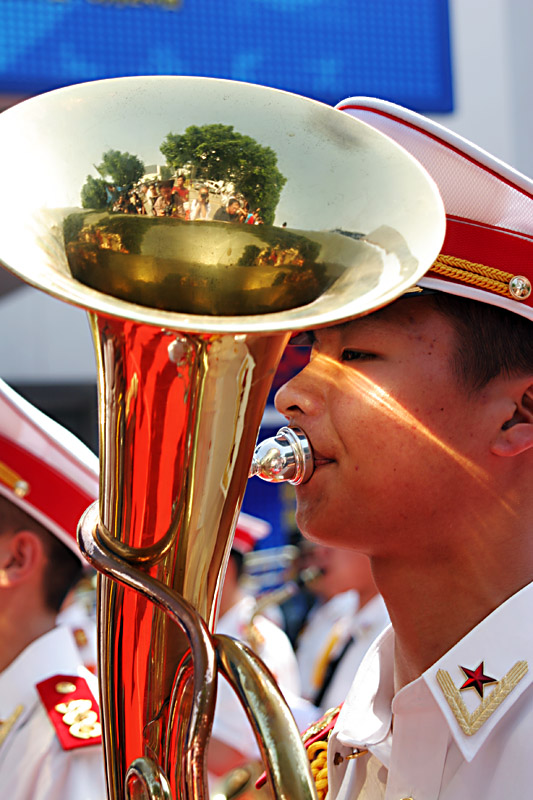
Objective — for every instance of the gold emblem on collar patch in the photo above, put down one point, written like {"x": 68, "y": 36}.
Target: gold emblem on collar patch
{"x": 470, "y": 723}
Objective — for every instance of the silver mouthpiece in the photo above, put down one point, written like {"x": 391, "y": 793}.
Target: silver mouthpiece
{"x": 287, "y": 456}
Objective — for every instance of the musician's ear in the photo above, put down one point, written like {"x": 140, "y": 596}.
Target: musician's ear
{"x": 516, "y": 434}
{"x": 21, "y": 553}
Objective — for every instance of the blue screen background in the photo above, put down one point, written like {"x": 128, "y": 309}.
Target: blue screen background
{"x": 325, "y": 49}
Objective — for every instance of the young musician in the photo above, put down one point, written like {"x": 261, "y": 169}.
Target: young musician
{"x": 420, "y": 417}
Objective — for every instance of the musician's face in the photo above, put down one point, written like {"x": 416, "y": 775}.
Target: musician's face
{"x": 397, "y": 441}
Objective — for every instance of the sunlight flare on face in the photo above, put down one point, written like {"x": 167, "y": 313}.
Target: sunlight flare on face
{"x": 330, "y": 370}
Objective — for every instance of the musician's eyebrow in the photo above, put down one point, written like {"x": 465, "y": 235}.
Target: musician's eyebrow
{"x": 370, "y": 320}
{"x": 364, "y": 322}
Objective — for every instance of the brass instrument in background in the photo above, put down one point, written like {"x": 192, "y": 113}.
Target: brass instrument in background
{"x": 189, "y": 321}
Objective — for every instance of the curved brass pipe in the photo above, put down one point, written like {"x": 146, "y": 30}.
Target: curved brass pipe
{"x": 193, "y": 775}
{"x": 136, "y": 555}
{"x": 148, "y": 774}
{"x": 274, "y": 726}
{"x": 276, "y": 731}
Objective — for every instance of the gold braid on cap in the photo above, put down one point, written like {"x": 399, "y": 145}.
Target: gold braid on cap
{"x": 489, "y": 278}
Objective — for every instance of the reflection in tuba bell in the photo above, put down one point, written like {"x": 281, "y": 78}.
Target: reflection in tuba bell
{"x": 189, "y": 320}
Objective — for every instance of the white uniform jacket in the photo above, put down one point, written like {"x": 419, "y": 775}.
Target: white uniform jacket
{"x": 327, "y": 629}
{"x": 364, "y": 628}
{"x": 274, "y": 648}
{"x": 33, "y": 765}
{"x": 449, "y": 742}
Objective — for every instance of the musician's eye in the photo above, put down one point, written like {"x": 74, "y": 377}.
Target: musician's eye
{"x": 349, "y": 354}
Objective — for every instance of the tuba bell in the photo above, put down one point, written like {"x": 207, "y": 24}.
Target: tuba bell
{"x": 189, "y": 320}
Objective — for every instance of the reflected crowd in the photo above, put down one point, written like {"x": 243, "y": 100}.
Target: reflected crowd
{"x": 183, "y": 199}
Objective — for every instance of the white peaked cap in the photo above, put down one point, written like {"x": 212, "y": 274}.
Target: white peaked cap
{"x": 44, "y": 469}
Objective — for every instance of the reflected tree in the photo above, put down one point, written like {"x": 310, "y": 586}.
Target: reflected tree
{"x": 218, "y": 152}
{"x": 124, "y": 169}
{"x": 119, "y": 169}
{"x": 93, "y": 193}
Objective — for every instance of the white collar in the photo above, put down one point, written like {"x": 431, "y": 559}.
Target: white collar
{"x": 501, "y": 640}
{"x": 366, "y": 715}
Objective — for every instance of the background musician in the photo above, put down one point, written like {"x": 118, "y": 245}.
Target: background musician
{"x": 50, "y": 742}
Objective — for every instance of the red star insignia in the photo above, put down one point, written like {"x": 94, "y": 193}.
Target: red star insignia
{"x": 476, "y": 679}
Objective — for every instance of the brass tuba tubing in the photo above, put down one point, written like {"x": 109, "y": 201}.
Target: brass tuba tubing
{"x": 174, "y": 473}
{"x": 270, "y": 719}
{"x": 190, "y": 778}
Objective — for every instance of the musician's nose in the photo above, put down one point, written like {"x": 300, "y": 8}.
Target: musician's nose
{"x": 304, "y": 395}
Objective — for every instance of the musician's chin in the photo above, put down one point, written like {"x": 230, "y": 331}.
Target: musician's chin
{"x": 314, "y": 496}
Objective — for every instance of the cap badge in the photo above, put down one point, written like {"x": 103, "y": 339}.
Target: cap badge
{"x": 520, "y": 287}
{"x": 476, "y": 679}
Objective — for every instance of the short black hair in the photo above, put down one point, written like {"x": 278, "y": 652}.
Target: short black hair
{"x": 63, "y": 569}
{"x": 491, "y": 341}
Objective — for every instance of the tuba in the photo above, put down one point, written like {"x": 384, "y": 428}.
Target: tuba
{"x": 189, "y": 319}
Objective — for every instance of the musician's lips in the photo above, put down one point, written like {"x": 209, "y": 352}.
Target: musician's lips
{"x": 320, "y": 460}
{"x": 320, "y": 463}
